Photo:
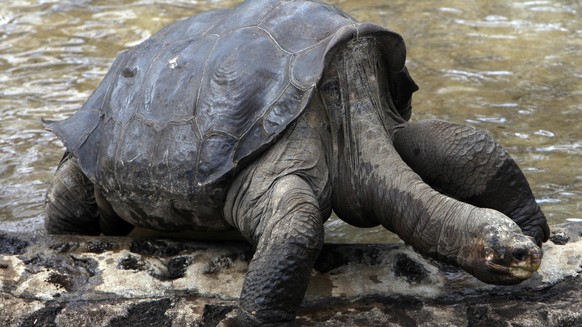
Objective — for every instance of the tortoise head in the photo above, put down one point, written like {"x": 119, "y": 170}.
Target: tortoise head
{"x": 501, "y": 254}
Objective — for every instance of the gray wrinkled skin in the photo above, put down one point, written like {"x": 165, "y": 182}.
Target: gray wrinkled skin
{"x": 264, "y": 119}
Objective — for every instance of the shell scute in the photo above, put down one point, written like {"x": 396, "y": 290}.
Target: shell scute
{"x": 295, "y": 36}
{"x": 248, "y": 13}
{"x": 237, "y": 89}
{"x": 177, "y": 160}
{"x": 171, "y": 87}
{"x": 277, "y": 118}
{"x": 215, "y": 146}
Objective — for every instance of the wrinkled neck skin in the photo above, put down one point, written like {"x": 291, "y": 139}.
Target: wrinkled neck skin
{"x": 371, "y": 183}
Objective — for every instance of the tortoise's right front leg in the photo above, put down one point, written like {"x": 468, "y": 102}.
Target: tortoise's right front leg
{"x": 283, "y": 221}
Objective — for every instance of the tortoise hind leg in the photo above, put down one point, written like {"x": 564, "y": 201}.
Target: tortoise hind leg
{"x": 70, "y": 206}
{"x": 74, "y": 205}
{"x": 467, "y": 164}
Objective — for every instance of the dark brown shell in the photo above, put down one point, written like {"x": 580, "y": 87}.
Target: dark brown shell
{"x": 184, "y": 107}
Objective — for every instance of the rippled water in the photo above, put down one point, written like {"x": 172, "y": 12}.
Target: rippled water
{"x": 512, "y": 67}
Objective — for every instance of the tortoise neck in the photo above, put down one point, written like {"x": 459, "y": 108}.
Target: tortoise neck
{"x": 371, "y": 184}
{"x": 356, "y": 96}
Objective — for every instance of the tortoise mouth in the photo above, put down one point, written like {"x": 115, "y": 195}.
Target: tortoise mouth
{"x": 514, "y": 269}
{"x": 519, "y": 271}
{"x": 513, "y": 265}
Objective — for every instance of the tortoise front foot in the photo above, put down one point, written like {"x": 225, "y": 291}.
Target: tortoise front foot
{"x": 286, "y": 227}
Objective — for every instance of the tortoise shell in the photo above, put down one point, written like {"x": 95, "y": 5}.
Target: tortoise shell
{"x": 205, "y": 95}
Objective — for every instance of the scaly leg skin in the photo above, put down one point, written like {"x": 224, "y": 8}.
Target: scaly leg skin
{"x": 467, "y": 164}
{"x": 285, "y": 225}
{"x": 73, "y": 205}
{"x": 279, "y": 203}
{"x": 70, "y": 206}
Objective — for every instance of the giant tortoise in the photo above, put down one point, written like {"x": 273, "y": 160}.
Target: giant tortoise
{"x": 265, "y": 118}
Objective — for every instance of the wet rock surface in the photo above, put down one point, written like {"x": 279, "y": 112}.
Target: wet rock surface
{"x": 107, "y": 281}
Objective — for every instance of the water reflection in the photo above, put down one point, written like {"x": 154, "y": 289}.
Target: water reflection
{"x": 512, "y": 67}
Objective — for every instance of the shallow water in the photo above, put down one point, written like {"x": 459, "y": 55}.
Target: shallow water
{"x": 512, "y": 67}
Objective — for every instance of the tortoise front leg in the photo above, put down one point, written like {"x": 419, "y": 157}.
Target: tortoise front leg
{"x": 283, "y": 221}
{"x": 467, "y": 164}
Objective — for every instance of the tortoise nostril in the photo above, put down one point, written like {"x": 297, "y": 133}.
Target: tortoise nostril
{"x": 519, "y": 254}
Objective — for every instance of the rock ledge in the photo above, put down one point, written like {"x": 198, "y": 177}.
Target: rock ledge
{"x": 81, "y": 281}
